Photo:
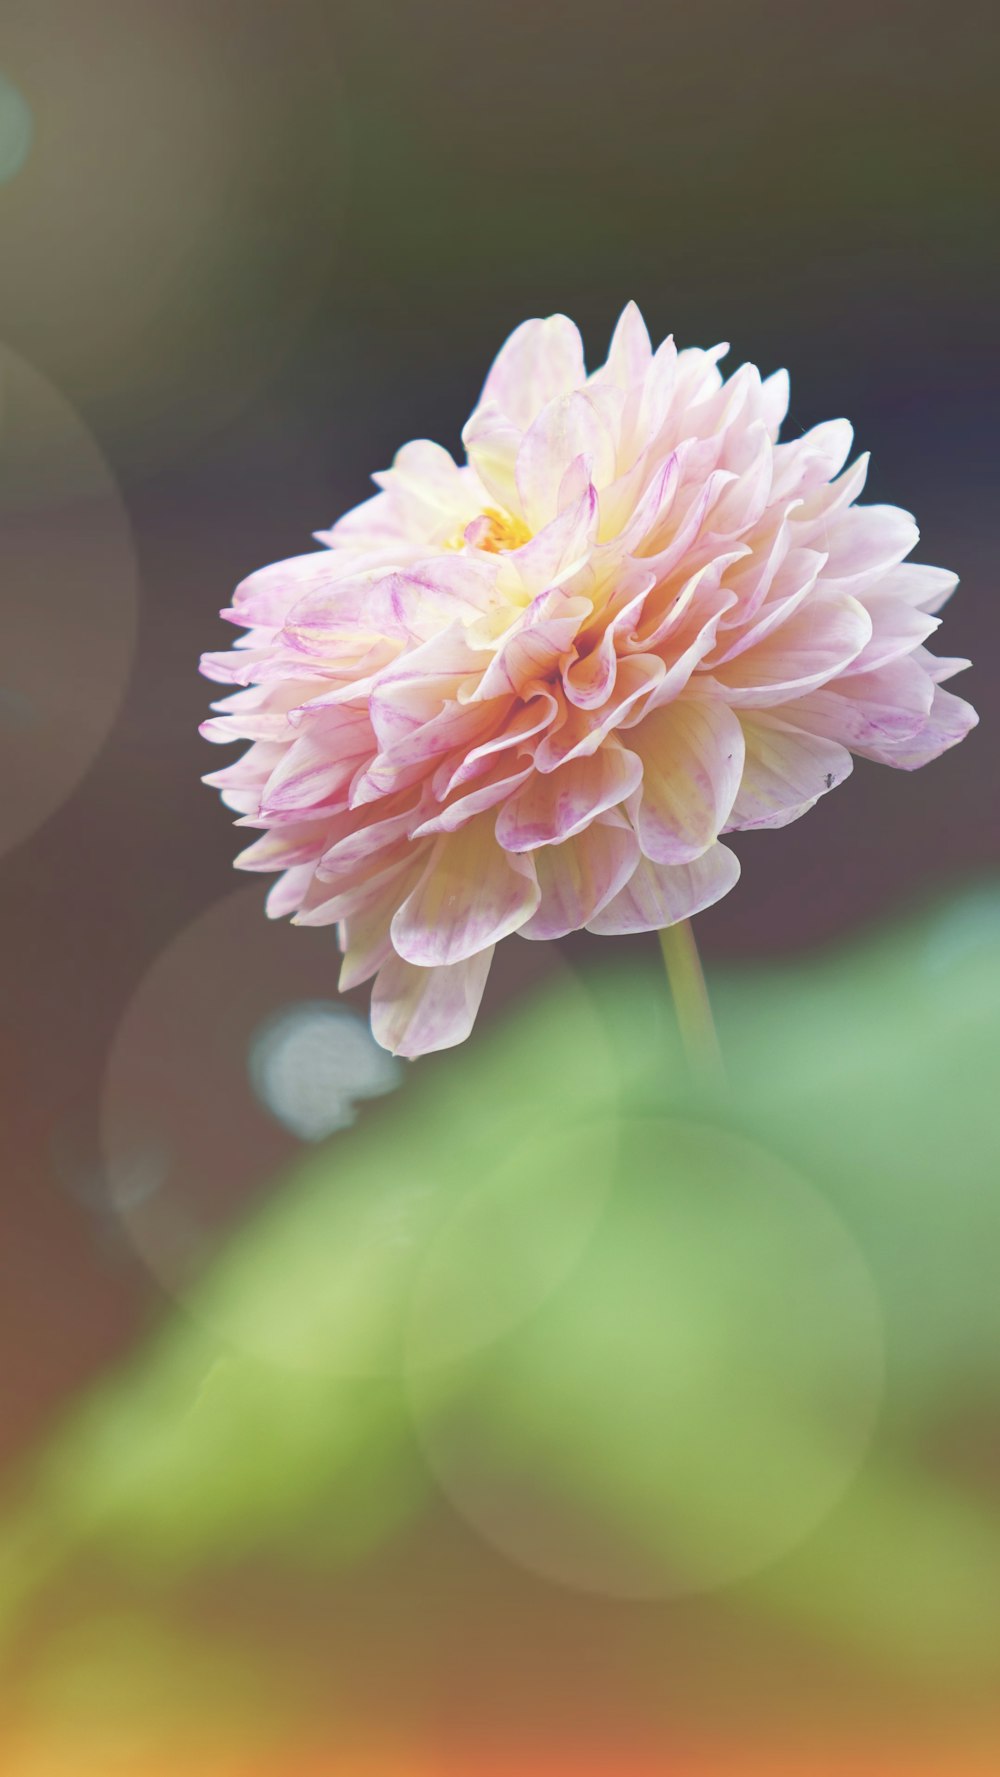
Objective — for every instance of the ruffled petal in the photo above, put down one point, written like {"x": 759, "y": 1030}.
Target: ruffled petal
{"x": 530, "y": 690}
{"x": 499, "y": 784}
{"x": 582, "y": 731}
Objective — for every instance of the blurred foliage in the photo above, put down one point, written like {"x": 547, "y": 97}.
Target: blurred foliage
{"x": 639, "y": 1337}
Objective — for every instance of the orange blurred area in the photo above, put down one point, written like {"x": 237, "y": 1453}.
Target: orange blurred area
{"x": 849, "y": 1759}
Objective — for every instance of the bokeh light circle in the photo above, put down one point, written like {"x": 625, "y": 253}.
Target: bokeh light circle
{"x": 176, "y": 224}
{"x": 285, "y": 1179}
{"x": 69, "y": 577}
{"x": 691, "y": 1401}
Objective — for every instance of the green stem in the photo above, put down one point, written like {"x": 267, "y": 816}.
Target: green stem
{"x": 691, "y": 1004}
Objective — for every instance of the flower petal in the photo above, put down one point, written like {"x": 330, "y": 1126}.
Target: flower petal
{"x": 415, "y": 1011}
{"x": 816, "y": 643}
{"x": 926, "y": 589}
{"x": 539, "y": 362}
{"x": 578, "y": 878}
{"x": 659, "y": 895}
{"x": 949, "y": 721}
{"x": 568, "y": 428}
{"x": 863, "y": 542}
{"x": 864, "y": 710}
{"x": 897, "y": 628}
{"x": 785, "y": 771}
{"x": 553, "y": 806}
{"x": 630, "y": 353}
{"x": 491, "y": 444}
{"x": 692, "y": 758}
{"x": 471, "y": 894}
{"x": 502, "y": 782}
{"x": 582, "y": 731}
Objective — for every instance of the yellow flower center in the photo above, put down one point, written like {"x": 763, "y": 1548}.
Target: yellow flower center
{"x": 493, "y": 531}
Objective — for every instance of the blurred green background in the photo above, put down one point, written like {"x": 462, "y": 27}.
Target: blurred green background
{"x": 518, "y": 1404}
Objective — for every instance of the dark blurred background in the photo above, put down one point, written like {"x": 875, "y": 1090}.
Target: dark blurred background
{"x": 248, "y": 250}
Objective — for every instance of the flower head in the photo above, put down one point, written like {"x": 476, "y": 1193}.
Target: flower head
{"x": 529, "y": 692}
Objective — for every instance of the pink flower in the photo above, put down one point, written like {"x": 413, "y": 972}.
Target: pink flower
{"x": 529, "y": 693}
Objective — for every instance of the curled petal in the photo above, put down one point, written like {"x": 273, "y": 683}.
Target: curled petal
{"x": 499, "y": 784}
{"x": 534, "y": 644}
{"x": 515, "y": 730}
{"x": 807, "y": 462}
{"x": 492, "y": 442}
{"x": 582, "y": 731}
{"x": 364, "y": 837}
{"x": 559, "y": 548}
{"x": 363, "y": 931}
{"x": 314, "y": 772}
{"x": 793, "y": 584}
{"x": 897, "y": 629}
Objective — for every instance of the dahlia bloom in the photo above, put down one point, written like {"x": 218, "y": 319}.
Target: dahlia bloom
{"x": 528, "y": 693}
